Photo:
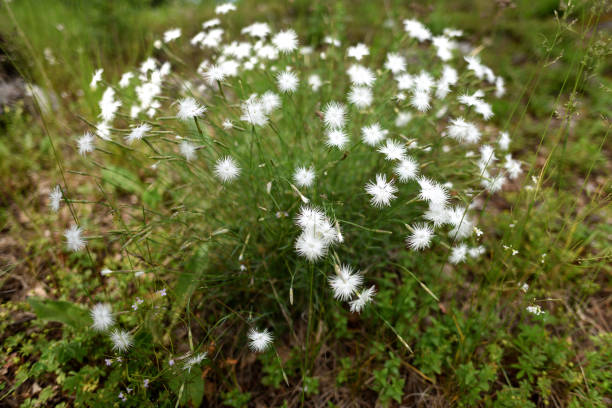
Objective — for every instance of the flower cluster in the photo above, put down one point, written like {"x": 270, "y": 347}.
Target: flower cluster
{"x": 401, "y": 149}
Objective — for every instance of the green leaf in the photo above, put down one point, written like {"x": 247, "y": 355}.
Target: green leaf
{"x": 188, "y": 386}
{"x": 60, "y": 311}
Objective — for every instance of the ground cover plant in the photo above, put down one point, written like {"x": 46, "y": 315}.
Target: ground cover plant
{"x": 240, "y": 210}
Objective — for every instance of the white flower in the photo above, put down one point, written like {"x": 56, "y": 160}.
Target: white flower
{"x": 420, "y": 237}
{"x": 309, "y": 217}
{"x": 310, "y": 245}
{"x": 458, "y": 254}
{"x": 55, "y": 198}
{"x": 463, "y": 131}
{"x": 259, "y": 340}
{"x": 334, "y": 115}
{"x": 360, "y": 96}
{"x": 416, "y": 29}
{"x": 403, "y": 118}
{"x": 476, "y": 251}
{"x": 345, "y": 282}
{"x": 226, "y": 169}
{"x": 504, "y": 140}
{"x": 189, "y": 108}
{"x": 436, "y": 214}
{"x": 287, "y": 81}
{"x": 336, "y": 138}
{"x": 393, "y": 150}
{"x": 363, "y": 298}
{"x": 125, "y": 79}
{"x": 172, "y": 34}
{"x": 361, "y": 75}
{"x": 187, "y": 150}
{"x": 536, "y": 310}
{"x": 303, "y": 176}
{"x": 259, "y": 30}
{"x": 373, "y": 134}
{"x": 358, "y": 51}
{"x": 253, "y": 111}
{"x": 395, "y": 63}
{"x": 285, "y": 41}
{"x": 493, "y": 183}
{"x": 137, "y": 133}
{"x": 225, "y": 8}
{"x": 513, "y": 167}
{"x": 270, "y": 102}
{"x": 194, "y": 360}
{"x": 500, "y": 89}
{"x": 487, "y": 156}
{"x": 382, "y": 191}
{"x": 108, "y": 105}
{"x": 406, "y": 169}
{"x": 432, "y": 192}
{"x": 102, "y": 316}
{"x": 85, "y": 144}
{"x": 214, "y": 74}
{"x": 315, "y": 82}
{"x": 227, "y": 124}
{"x": 463, "y": 226}
{"x": 420, "y": 101}
{"x": 96, "y": 78}
{"x": 74, "y": 240}
{"x": 122, "y": 340}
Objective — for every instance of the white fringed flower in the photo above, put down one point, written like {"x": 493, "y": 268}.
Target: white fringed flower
{"x": 334, "y": 115}
{"x": 406, "y": 169}
{"x": 315, "y": 82}
{"x": 358, "y": 51}
{"x": 96, "y": 78}
{"x": 121, "y": 339}
{"x": 287, "y": 81}
{"x": 416, "y": 29}
{"x": 259, "y": 340}
{"x": 345, "y": 282}
{"x": 361, "y": 76}
{"x": 214, "y": 74}
{"x": 420, "y": 237}
{"x": 86, "y": 144}
{"x": 102, "y": 316}
{"x": 336, "y": 138}
{"x": 393, "y": 150}
{"x": 372, "y": 134}
{"x": 194, "y": 360}
{"x": 137, "y": 133}
{"x": 226, "y": 169}
{"x": 420, "y": 101}
{"x": 304, "y": 176}
{"x": 395, "y": 63}
{"x": 225, "y": 8}
{"x": 361, "y": 96}
{"x": 285, "y": 41}
{"x": 74, "y": 241}
{"x": 253, "y": 111}
{"x": 55, "y": 198}
{"x": 458, "y": 254}
{"x": 382, "y": 191}
{"x": 463, "y": 131}
{"x": 310, "y": 246}
{"x": 432, "y": 192}
{"x": 187, "y": 150}
{"x": 189, "y": 108}
{"x": 363, "y": 298}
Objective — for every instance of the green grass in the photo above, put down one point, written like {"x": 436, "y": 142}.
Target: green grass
{"x": 473, "y": 343}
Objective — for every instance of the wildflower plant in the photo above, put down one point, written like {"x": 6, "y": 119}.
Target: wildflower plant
{"x": 281, "y": 172}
